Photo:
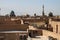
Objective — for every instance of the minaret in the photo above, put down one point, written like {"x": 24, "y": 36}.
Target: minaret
{"x": 43, "y": 11}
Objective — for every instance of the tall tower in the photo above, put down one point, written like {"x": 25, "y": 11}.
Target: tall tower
{"x": 43, "y": 10}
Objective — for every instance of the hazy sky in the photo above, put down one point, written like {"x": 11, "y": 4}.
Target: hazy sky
{"x": 22, "y": 7}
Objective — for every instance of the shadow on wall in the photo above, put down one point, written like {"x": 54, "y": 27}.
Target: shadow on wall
{"x": 51, "y": 38}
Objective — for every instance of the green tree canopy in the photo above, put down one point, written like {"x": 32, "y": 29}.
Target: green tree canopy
{"x": 50, "y": 14}
{"x": 12, "y": 14}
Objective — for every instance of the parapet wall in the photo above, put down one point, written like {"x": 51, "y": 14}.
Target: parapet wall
{"x": 52, "y": 34}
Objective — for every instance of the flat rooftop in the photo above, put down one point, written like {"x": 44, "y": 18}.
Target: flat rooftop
{"x": 13, "y": 31}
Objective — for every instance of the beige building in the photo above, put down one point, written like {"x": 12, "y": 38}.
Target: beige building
{"x": 13, "y": 35}
{"x": 18, "y": 29}
{"x": 13, "y": 30}
{"x": 55, "y": 23}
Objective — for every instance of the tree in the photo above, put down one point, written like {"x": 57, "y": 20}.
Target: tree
{"x": 27, "y": 15}
{"x": 12, "y": 14}
{"x": 35, "y": 14}
{"x": 50, "y": 14}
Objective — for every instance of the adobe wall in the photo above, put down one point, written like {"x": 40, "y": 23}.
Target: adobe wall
{"x": 53, "y": 24}
{"x": 52, "y": 34}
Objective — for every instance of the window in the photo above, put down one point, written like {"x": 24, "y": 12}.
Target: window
{"x": 23, "y": 37}
{"x": 1, "y": 37}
